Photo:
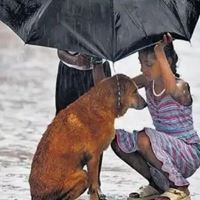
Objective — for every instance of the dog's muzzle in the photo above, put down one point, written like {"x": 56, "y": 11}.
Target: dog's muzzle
{"x": 139, "y": 103}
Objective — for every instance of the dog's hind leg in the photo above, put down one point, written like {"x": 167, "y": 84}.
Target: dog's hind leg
{"x": 74, "y": 186}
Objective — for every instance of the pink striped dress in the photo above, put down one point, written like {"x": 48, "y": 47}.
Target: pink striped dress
{"x": 174, "y": 141}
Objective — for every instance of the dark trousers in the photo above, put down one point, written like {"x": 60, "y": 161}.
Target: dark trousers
{"x": 72, "y": 83}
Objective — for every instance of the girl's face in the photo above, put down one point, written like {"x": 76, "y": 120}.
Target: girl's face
{"x": 149, "y": 65}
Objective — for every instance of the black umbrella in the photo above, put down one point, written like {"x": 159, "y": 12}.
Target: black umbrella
{"x": 111, "y": 29}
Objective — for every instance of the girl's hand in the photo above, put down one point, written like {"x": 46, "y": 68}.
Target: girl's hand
{"x": 167, "y": 39}
{"x": 159, "y": 47}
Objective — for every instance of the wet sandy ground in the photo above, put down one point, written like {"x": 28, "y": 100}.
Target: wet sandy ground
{"x": 27, "y": 85}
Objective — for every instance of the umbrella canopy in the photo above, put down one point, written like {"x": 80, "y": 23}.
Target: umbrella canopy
{"x": 111, "y": 29}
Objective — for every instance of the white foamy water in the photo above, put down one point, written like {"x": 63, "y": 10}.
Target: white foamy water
{"x": 27, "y": 88}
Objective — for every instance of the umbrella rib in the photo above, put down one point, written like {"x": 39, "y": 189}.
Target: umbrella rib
{"x": 177, "y": 15}
{"x": 38, "y": 15}
{"x": 81, "y": 39}
{"x": 113, "y": 33}
{"x": 136, "y": 22}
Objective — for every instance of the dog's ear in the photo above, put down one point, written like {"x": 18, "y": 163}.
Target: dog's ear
{"x": 124, "y": 83}
{"x": 105, "y": 88}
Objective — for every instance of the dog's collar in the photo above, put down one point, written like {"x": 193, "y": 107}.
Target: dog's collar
{"x": 118, "y": 95}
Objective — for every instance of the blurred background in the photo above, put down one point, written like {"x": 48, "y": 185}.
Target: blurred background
{"x": 27, "y": 106}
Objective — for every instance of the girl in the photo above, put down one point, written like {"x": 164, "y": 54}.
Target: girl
{"x": 170, "y": 153}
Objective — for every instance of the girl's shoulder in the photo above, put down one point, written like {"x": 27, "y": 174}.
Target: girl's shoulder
{"x": 182, "y": 93}
{"x": 182, "y": 85}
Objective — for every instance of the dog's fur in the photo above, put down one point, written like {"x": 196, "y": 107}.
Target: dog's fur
{"x": 77, "y": 137}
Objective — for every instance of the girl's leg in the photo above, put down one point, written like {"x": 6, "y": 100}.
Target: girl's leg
{"x": 145, "y": 149}
{"x": 136, "y": 161}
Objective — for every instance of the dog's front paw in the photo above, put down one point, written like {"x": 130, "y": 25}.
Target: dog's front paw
{"x": 97, "y": 195}
{"x": 94, "y": 196}
{"x": 102, "y": 196}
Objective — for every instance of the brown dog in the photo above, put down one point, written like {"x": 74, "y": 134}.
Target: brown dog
{"x": 77, "y": 137}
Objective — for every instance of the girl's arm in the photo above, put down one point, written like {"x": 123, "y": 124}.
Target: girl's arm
{"x": 140, "y": 81}
{"x": 178, "y": 89}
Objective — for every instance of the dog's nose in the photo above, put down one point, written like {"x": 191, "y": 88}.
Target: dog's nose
{"x": 140, "y": 103}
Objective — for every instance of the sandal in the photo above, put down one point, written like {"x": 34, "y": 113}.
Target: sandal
{"x": 144, "y": 193}
{"x": 174, "y": 194}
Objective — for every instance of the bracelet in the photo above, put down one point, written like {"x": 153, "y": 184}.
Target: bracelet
{"x": 96, "y": 60}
